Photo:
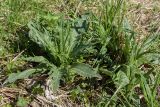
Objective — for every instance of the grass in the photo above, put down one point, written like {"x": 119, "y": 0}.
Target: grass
{"x": 79, "y": 53}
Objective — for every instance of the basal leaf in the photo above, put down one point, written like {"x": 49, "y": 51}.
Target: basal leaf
{"x": 42, "y": 37}
{"x": 84, "y": 70}
{"x": 39, "y": 59}
{"x": 121, "y": 79}
{"x": 55, "y": 79}
{"x": 21, "y": 75}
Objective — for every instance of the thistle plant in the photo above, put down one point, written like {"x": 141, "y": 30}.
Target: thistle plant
{"x": 63, "y": 45}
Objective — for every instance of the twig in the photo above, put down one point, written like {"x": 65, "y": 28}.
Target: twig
{"x": 18, "y": 56}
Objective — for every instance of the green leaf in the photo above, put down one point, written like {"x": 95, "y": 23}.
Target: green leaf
{"x": 55, "y": 79}
{"x": 147, "y": 43}
{"x": 41, "y": 37}
{"x": 22, "y": 102}
{"x": 50, "y": 17}
{"x": 126, "y": 24}
{"x": 105, "y": 71}
{"x": 121, "y": 79}
{"x": 21, "y": 75}
{"x": 39, "y": 59}
{"x": 84, "y": 70}
{"x": 149, "y": 95}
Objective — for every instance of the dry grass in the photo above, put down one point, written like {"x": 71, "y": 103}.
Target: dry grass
{"x": 144, "y": 16}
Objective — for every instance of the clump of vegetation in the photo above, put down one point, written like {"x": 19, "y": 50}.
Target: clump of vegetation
{"x": 96, "y": 58}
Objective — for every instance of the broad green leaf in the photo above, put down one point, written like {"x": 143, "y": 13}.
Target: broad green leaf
{"x": 21, "y": 75}
{"x": 41, "y": 36}
{"x": 55, "y": 79}
{"x": 22, "y": 102}
{"x": 39, "y": 59}
{"x": 121, "y": 79}
{"x": 84, "y": 70}
{"x": 71, "y": 41}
